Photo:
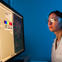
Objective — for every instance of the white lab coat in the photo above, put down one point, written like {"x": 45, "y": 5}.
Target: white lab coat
{"x": 57, "y": 54}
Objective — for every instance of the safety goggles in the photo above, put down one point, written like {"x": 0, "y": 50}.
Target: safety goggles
{"x": 54, "y": 19}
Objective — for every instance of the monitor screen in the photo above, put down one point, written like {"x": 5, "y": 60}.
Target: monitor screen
{"x": 11, "y": 32}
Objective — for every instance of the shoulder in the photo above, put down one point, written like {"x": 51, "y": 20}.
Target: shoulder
{"x": 61, "y": 38}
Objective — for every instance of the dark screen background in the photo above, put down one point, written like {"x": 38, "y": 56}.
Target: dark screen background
{"x": 18, "y": 33}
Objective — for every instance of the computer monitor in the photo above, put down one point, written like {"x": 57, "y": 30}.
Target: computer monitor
{"x": 11, "y": 32}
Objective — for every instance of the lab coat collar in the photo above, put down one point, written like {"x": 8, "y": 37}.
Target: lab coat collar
{"x": 60, "y": 45}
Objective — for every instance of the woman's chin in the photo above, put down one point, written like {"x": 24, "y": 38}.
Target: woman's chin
{"x": 51, "y": 30}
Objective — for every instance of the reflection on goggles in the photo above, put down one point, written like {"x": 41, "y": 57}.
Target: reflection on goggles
{"x": 52, "y": 20}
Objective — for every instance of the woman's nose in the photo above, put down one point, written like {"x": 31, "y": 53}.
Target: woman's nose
{"x": 50, "y": 23}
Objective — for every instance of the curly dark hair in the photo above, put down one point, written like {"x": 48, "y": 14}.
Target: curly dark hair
{"x": 58, "y": 13}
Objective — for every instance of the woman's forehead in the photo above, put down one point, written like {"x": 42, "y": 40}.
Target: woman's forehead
{"x": 53, "y": 15}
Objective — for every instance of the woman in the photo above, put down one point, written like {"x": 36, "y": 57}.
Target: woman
{"x": 55, "y": 25}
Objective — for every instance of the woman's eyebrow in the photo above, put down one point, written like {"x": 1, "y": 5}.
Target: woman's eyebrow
{"x": 53, "y": 17}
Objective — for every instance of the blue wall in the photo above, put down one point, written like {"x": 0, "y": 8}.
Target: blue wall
{"x": 38, "y": 38}
{"x": 7, "y": 1}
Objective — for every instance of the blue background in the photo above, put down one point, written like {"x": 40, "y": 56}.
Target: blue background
{"x": 38, "y": 38}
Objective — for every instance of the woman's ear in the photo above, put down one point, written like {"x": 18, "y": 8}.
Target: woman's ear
{"x": 60, "y": 25}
